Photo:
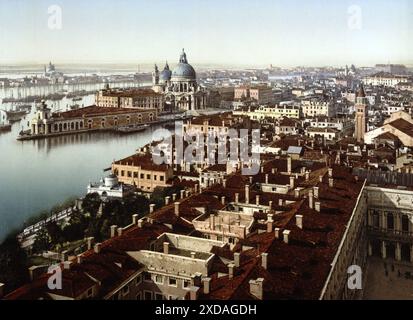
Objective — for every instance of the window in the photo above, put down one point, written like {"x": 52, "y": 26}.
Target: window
{"x": 155, "y": 177}
{"x": 148, "y": 177}
{"x": 186, "y": 284}
{"x": 158, "y": 279}
{"x": 173, "y": 282}
{"x": 162, "y": 178}
{"x": 148, "y": 295}
{"x": 90, "y": 293}
{"x": 138, "y": 280}
{"x": 142, "y": 176}
{"x": 147, "y": 277}
{"x": 159, "y": 296}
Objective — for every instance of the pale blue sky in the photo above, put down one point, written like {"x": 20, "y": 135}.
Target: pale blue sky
{"x": 260, "y": 32}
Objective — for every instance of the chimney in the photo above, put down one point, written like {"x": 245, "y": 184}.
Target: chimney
{"x": 264, "y": 260}
{"x": 187, "y": 193}
{"x": 97, "y": 247}
{"x": 280, "y": 202}
{"x": 256, "y": 288}
{"x": 174, "y": 197}
{"x": 257, "y": 199}
{"x": 250, "y": 178}
{"x": 247, "y": 194}
{"x": 320, "y": 178}
{"x": 193, "y": 293}
{"x": 166, "y": 247}
{"x": 330, "y": 172}
{"x": 90, "y": 242}
{"x": 167, "y": 200}
{"x": 182, "y": 194}
{"x": 317, "y": 206}
{"x": 237, "y": 259}
{"x": 212, "y": 222}
{"x": 231, "y": 270}
{"x": 176, "y": 204}
{"x": 310, "y": 199}
{"x": 296, "y": 193}
{"x": 331, "y": 182}
{"x": 193, "y": 254}
{"x": 269, "y": 222}
{"x": 79, "y": 259}
{"x": 224, "y": 183}
{"x": 135, "y": 219}
{"x": 206, "y": 282}
{"x": 286, "y": 233}
{"x": 307, "y": 175}
{"x": 66, "y": 265}
{"x": 262, "y": 169}
{"x": 277, "y": 233}
{"x": 223, "y": 200}
{"x": 2, "y": 285}
{"x": 120, "y": 230}
{"x": 292, "y": 182}
{"x": 151, "y": 207}
{"x": 64, "y": 255}
{"x": 273, "y": 170}
{"x": 196, "y": 188}
{"x": 289, "y": 164}
{"x": 270, "y": 204}
{"x": 316, "y": 192}
{"x": 237, "y": 198}
{"x": 113, "y": 230}
{"x": 299, "y": 221}
{"x": 266, "y": 178}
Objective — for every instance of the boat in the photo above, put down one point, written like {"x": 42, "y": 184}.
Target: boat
{"x": 132, "y": 128}
{"x": 16, "y": 115}
{"x": 5, "y": 127}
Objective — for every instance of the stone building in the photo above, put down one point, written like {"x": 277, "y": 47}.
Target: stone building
{"x": 179, "y": 86}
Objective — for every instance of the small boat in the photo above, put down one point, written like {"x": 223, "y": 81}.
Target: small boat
{"x": 14, "y": 116}
{"x": 132, "y": 128}
{"x": 5, "y": 127}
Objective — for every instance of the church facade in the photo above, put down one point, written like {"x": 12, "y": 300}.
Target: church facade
{"x": 179, "y": 86}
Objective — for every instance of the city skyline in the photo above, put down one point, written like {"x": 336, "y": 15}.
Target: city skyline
{"x": 321, "y": 33}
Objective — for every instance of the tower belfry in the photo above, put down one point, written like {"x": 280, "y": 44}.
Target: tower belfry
{"x": 361, "y": 115}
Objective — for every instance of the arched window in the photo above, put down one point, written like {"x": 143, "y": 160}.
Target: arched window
{"x": 390, "y": 221}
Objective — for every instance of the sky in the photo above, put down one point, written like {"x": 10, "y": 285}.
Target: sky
{"x": 233, "y": 32}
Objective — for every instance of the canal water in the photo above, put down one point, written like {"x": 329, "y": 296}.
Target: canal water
{"x": 36, "y": 175}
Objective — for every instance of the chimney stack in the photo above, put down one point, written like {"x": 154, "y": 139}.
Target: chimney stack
{"x": 320, "y": 178}
{"x": 270, "y": 204}
{"x": 97, "y": 247}
{"x": 277, "y": 233}
{"x": 224, "y": 183}
{"x": 151, "y": 207}
{"x": 296, "y": 193}
{"x": 307, "y": 175}
{"x": 182, "y": 194}
{"x": 264, "y": 260}
{"x": 331, "y": 182}
{"x": 299, "y": 221}
{"x": 176, "y": 204}
{"x": 317, "y": 206}
{"x": 193, "y": 254}
{"x": 231, "y": 270}
{"x": 206, "y": 282}
{"x": 330, "y": 172}
{"x": 90, "y": 242}
{"x": 120, "y": 231}
{"x": 247, "y": 194}
{"x": 166, "y": 247}
{"x": 289, "y": 164}
{"x": 256, "y": 288}
{"x": 67, "y": 264}
{"x": 269, "y": 222}
{"x": 280, "y": 202}
{"x": 223, "y": 200}
{"x": 310, "y": 199}
{"x": 2, "y": 285}
{"x": 292, "y": 182}
{"x": 266, "y": 178}
{"x": 174, "y": 197}
{"x": 135, "y": 219}
{"x": 113, "y": 230}
{"x": 316, "y": 189}
{"x": 79, "y": 259}
{"x": 286, "y": 234}
{"x": 250, "y": 178}
{"x": 237, "y": 198}
{"x": 237, "y": 259}
{"x": 167, "y": 200}
{"x": 257, "y": 199}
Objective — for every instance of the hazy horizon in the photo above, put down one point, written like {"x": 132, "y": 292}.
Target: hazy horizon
{"x": 233, "y": 33}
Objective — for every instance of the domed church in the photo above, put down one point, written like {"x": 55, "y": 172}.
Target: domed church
{"x": 179, "y": 86}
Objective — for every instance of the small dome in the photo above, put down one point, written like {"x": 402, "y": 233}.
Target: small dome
{"x": 166, "y": 73}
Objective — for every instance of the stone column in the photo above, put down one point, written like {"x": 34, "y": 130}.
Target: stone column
{"x": 398, "y": 252}
{"x": 383, "y": 249}
{"x": 383, "y": 216}
{"x": 397, "y": 222}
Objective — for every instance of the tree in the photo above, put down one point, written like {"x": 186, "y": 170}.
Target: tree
{"x": 42, "y": 242}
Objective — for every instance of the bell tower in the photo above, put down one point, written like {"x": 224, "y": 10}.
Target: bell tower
{"x": 155, "y": 76}
{"x": 361, "y": 115}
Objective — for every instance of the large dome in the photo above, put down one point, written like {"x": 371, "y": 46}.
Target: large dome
{"x": 183, "y": 70}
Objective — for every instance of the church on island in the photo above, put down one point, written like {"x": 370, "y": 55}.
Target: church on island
{"x": 179, "y": 86}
